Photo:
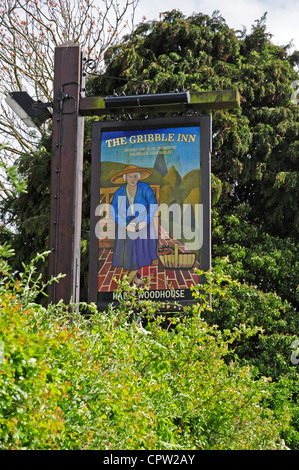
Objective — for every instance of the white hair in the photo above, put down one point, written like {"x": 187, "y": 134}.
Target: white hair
{"x": 125, "y": 176}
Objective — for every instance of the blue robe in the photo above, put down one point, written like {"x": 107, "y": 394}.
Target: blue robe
{"x": 134, "y": 250}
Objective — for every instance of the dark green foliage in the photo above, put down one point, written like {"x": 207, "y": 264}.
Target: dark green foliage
{"x": 28, "y": 212}
{"x": 269, "y": 351}
{"x": 268, "y": 262}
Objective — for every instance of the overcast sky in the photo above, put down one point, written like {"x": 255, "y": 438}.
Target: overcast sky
{"x": 282, "y": 15}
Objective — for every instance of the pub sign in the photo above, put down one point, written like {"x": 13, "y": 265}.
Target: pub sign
{"x": 150, "y": 207}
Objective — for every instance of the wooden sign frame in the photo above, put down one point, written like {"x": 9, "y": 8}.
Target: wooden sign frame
{"x": 173, "y": 144}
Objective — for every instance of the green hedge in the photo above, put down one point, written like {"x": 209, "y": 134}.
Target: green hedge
{"x": 117, "y": 380}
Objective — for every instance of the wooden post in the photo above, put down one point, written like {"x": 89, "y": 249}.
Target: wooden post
{"x": 66, "y": 175}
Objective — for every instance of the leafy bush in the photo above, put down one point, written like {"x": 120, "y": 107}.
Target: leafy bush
{"x": 268, "y": 262}
{"x": 121, "y": 380}
{"x": 268, "y": 352}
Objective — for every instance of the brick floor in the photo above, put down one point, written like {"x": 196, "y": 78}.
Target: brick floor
{"x": 160, "y": 277}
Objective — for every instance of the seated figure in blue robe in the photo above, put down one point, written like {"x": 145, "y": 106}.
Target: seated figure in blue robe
{"x": 134, "y": 205}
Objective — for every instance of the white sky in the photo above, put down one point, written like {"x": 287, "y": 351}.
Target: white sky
{"x": 282, "y": 15}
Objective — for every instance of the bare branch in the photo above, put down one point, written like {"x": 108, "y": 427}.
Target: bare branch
{"x": 29, "y": 32}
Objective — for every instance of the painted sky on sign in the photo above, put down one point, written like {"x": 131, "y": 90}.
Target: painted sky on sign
{"x": 137, "y": 147}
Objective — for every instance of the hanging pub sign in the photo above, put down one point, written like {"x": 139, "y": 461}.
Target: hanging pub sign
{"x": 150, "y": 207}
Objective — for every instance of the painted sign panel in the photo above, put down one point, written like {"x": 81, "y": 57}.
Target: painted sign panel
{"x": 148, "y": 212}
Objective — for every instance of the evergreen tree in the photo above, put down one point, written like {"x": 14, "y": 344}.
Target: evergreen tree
{"x": 255, "y": 149}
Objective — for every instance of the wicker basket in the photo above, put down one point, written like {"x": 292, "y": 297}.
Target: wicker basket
{"x": 178, "y": 260}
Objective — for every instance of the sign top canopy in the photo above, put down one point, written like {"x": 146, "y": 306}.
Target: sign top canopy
{"x": 197, "y": 101}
